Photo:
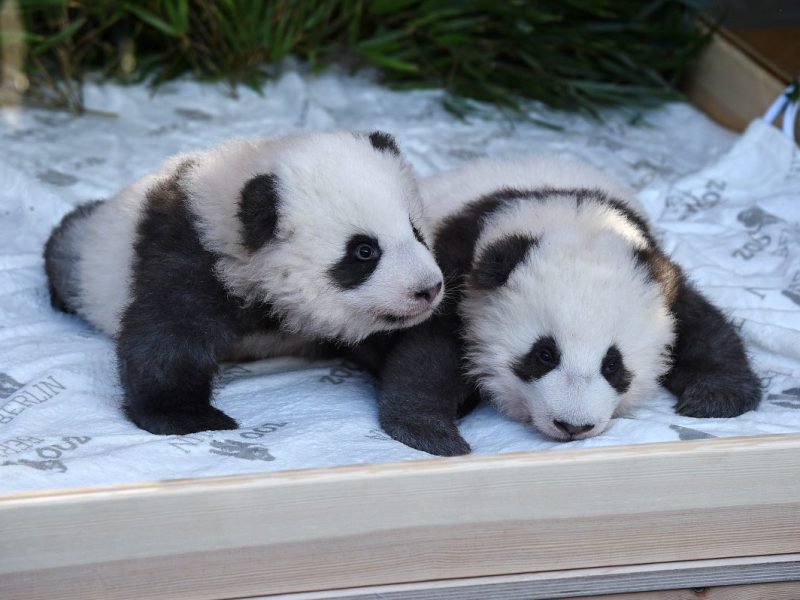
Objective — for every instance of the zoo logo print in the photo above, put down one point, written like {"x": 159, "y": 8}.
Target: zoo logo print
{"x": 49, "y": 456}
{"x": 22, "y": 397}
{"x": 683, "y": 204}
{"x": 245, "y": 450}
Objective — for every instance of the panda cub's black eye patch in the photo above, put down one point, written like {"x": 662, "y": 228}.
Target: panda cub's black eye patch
{"x": 359, "y": 260}
{"x": 544, "y": 356}
{"x": 614, "y": 372}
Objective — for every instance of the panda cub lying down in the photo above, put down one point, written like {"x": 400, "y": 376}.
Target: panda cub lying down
{"x": 250, "y": 249}
{"x": 565, "y": 312}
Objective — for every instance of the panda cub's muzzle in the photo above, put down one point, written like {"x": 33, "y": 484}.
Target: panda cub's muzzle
{"x": 422, "y": 302}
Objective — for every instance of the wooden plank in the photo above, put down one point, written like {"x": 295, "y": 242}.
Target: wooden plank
{"x": 375, "y": 525}
{"x": 729, "y": 85}
{"x": 680, "y": 578}
{"x": 785, "y": 590}
{"x": 765, "y": 591}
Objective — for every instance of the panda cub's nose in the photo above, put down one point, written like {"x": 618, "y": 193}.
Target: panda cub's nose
{"x": 571, "y": 429}
{"x": 429, "y": 294}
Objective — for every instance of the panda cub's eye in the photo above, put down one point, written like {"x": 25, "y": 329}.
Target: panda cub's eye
{"x": 610, "y": 367}
{"x": 546, "y": 356}
{"x": 365, "y": 251}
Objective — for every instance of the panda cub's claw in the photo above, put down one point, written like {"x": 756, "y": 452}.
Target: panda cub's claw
{"x": 431, "y": 434}
{"x": 180, "y": 422}
{"x": 719, "y": 396}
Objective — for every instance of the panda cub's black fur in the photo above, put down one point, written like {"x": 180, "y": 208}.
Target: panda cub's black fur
{"x": 250, "y": 249}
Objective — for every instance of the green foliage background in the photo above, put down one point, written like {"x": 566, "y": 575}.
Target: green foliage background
{"x": 574, "y": 54}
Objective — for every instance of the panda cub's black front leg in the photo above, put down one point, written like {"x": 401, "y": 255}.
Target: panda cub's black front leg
{"x": 710, "y": 374}
{"x": 166, "y": 367}
{"x": 422, "y": 389}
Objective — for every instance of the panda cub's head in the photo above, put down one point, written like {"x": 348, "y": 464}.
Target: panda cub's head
{"x": 327, "y": 228}
{"x": 566, "y": 311}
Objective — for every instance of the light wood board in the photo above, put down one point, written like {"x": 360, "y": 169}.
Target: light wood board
{"x": 702, "y": 579}
{"x": 440, "y": 519}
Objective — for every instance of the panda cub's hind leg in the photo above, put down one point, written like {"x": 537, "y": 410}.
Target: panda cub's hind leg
{"x": 710, "y": 372}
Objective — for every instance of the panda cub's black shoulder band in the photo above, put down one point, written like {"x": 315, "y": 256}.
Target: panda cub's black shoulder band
{"x": 454, "y": 245}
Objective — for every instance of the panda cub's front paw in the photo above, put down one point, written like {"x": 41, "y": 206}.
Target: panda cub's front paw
{"x": 720, "y": 395}
{"x": 173, "y": 421}
{"x": 434, "y": 435}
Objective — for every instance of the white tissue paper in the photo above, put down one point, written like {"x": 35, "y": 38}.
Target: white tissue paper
{"x": 726, "y": 208}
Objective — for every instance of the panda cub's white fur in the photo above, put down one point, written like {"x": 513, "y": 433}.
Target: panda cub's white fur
{"x": 330, "y": 186}
{"x": 251, "y": 248}
{"x": 582, "y": 286}
{"x": 562, "y": 272}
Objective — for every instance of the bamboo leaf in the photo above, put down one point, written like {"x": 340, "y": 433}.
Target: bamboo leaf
{"x": 574, "y": 54}
{"x": 153, "y": 20}
{"x": 60, "y": 37}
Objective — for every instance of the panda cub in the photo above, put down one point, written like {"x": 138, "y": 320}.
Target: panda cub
{"x": 249, "y": 249}
{"x": 568, "y": 312}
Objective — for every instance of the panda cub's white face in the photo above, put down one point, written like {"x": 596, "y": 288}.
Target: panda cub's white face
{"x": 331, "y": 235}
{"x": 353, "y": 242}
{"x": 576, "y": 330}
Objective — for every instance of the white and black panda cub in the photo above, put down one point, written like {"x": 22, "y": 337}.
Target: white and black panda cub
{"x": 249, "y": 249}
{"x": 569, "y": 312}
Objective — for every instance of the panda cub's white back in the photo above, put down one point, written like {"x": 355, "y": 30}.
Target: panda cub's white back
{"x": 447, "y": 193}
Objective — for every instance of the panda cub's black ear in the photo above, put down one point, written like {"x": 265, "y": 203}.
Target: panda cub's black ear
{"x": 383, "y": 141}
{"x": 258, "y": 210}
{"x": 498, "y": 259}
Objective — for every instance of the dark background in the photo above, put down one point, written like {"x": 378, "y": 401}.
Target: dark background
{"x": 770, "y": 28}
